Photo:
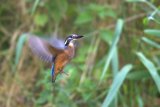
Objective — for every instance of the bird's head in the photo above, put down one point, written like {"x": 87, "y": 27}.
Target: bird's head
{"x": 72, "y": 37}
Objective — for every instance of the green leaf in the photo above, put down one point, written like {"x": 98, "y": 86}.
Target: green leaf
{"x": 118, "y": 31}
{"x": 150, "y": 42}
{"x": 151, "y": 68}
{"x": 35, "y": 6}
{"x": 145, "y": 21}
{"x": 117, "y": 82}
{"x": 140, "y": 101}
{"x": 41, "y": 19}
{"x": 152, "y": 32}
{"x": 115, "y": 62}
{"x": 19, "y": 47}
{"x": 115, "y": 68}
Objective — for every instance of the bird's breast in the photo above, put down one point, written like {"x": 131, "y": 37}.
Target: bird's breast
{"x": 60, "y": 61}
{"x": 63, "y": 58}
{"x": 70, "y": 51}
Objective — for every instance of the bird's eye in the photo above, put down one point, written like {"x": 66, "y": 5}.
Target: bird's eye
{"x": 70, "y": 37}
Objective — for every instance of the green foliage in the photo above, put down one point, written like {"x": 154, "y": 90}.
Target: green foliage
{"x": 136, "y": 76}
{"x": 118, "y": 31}
{"x": 40, "y": 19}
{"x": 151, "y": 68}
{"x": 106, "y": 35}
{"x": 45, "y": 95}
{"x": 57, "y": 9}
{"x": 135, "y": 0}
{"x": 84, "y": 17}
{"x": 153, "y": 32}
{"x": 115, "y": 33}
{"x": 35, "y": 5}
{"x": 117, "y": 82}
{"x": 150, "y": 42}
{"x": 93, "y": 11}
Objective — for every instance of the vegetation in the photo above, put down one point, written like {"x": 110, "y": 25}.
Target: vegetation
{"x": 117, "y": 63}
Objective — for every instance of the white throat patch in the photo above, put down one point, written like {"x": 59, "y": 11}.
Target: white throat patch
{"x": 71, "y": 44}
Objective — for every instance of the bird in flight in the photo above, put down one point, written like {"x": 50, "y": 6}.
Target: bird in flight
{"x": 55, "y": 51}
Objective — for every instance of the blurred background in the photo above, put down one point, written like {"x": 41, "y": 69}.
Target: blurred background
{"x": 117, "y": 63}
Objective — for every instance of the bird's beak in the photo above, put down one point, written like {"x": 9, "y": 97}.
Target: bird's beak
{"x": 78, "y": 36}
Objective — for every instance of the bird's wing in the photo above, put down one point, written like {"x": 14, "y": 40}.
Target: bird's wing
{"x": 43, "y": 48}
{"x": 58, "y": 43}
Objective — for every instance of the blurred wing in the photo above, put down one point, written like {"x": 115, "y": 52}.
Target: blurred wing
{"x": 57, "y": 43}
{"x": 43, "y": 49}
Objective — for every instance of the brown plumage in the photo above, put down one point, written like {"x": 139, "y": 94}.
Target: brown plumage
{"x": 62, "y": 59}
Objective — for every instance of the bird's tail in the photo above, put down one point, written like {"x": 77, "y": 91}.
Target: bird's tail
{"x": 53, "y": 74}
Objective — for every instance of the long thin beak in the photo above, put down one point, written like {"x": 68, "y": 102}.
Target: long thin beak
{"x": 78, "y": 36}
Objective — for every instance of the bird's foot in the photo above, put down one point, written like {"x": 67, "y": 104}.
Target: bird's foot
{"x": 64, "y": 73}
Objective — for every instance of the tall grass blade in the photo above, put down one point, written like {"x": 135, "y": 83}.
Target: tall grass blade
{"x": 140, "y": 101}
{"x": 135, "y": 0}
{"x": 150, "y": 42}
{"x": 35, "y": 6}
{"x": 19, "y": 47}
{"x": 115, "y": 68}
{"x": 116, "y": 37}
{"x": 151, "y": 68}
{"x": 153, "y": 32}
{"x": 117, "y": 82}
{"x": 115, "y": 63}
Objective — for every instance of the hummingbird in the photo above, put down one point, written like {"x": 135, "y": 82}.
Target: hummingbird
{"x": 55, "y": 51}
